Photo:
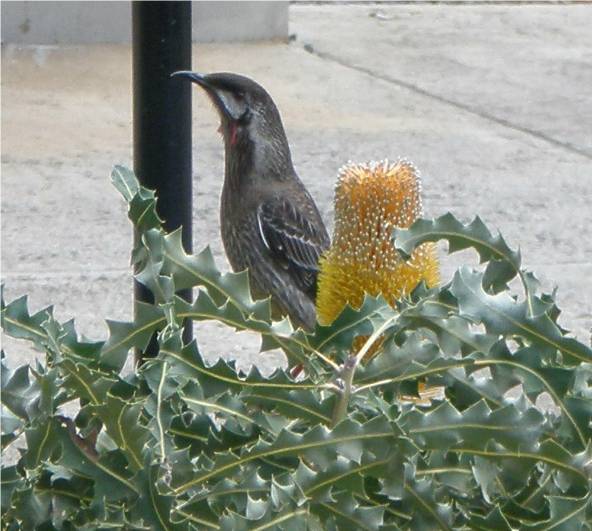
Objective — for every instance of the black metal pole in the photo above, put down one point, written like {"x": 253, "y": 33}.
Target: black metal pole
{"x": 161, "y": 33}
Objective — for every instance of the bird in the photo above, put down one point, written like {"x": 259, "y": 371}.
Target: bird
{"x": 269, "y": 222}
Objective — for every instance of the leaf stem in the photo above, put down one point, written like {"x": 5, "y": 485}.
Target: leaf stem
{"x": 347, "y": 377}
{"x": 159, "y": 412}
{"x": 373, "y": 338}
{"x": 348, "y": 371}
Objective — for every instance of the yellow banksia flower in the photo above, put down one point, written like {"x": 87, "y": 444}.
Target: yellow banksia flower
{"x": 370, "y": 201}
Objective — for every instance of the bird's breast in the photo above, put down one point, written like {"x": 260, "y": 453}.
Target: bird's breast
{"x": 237, "y": 231}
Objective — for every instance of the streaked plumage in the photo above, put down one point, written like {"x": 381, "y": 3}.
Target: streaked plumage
{"x": 270, "y": 223}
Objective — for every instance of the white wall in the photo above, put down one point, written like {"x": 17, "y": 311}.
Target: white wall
{"x": 110, "y": 22}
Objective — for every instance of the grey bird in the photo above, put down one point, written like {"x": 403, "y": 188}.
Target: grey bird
{"x": 270, "y": 223}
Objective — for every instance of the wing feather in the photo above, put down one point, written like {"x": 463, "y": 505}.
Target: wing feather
{"x": 294, "y": 240}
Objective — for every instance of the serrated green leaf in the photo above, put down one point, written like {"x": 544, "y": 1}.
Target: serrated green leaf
{"x": 10, "y": 481}
{"x": 447, "y": 469}
{"x": 420, "y": 498}
{"x": 16, "y": 390}
{"x": 192, "y": 434}
{"x": 347, "y": 513}
{"x": 125, "y": 182}
{"x": 82, "y": 349}
{"x": 295, "y": 404}
{"x": 33, "y": 509}
{"x": 350, "y": 476}
{"x": 277, "y": 334}
{"x": 149, "y": 274}
{"x": 71, "y": 497}
{"x": 52, "y": 441}
{"x": 351, "y": 323}
{"x": 142, "y": 211}
{"x": 225, "y": 406}
{"x": 454, "y": 334}
{"x": 222, "y": 376}
{"x": 535, "y": 375}
{"x": 141, "y": 201}
{"x": 90, "y": 384}
{"x": 413, "y": 372}
{"x": 503, "y": 262}
{"x": 154, "y": 509}
{"x": 18, "y": 323}
{"x": 200, "y": 270}
{"x": 125, "y": 336}
{"x": 501, "y": 314}
{"x": 567, "y": 514}
{"x": 319, "y": 445}
{"x": 396, "y": 359}
{"x": 445, "y": 426}
{"x": 121, "y": 419}
{"x": 495, "y": 520}
{"x": 227, "y": 493}
{"x": 291, "y": 519}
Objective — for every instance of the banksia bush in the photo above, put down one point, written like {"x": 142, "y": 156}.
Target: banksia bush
{"x": 180, "y": 443}
{"x": 371, "y": 200}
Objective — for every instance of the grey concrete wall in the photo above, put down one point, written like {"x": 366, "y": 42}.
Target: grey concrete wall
{"x": 110, "y": 22}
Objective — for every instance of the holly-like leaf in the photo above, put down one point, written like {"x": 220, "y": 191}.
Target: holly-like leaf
{"x": 200, "y": 270}
{"x": 275, "y": 334}
{"x": 89, "y": 383}
{"x": 445, "y": 426}
{"x": 438, "y": 313}
{"x": 18, "y": 323}
{"x": 33, "y": 508}
{"x": 228, "y": 493}
{"x": 567, "y": 514}
{"x": 502, "y": 314}
{"x": 319, "y": 445}
{"x": 261, "y": 516}
{"x": 303, "y": 404}
{"x": 125, "y": 182}
{"x": 10, "y": 480}
{"x": 396, "y": 359}
{"x": 503, "y": 263}
{"x": 494, "y": 520}
{"x": 155, "y": 509}
{"x": 122, "y": 422}
{"x": 142, "y": 202}
{"x": 421, "y": 499}
{"x": 17, "y": 390}
{"x": 222, "y": 376}
{"x": 346, "y": 512}
{"x": 351, "y": 323}
{"x": 125, "y": 336}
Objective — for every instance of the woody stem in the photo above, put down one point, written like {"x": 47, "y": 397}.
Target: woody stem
{"x": 347, "y": 378}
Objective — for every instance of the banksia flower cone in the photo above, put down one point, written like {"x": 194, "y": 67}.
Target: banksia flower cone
{"x": 370, "y": 201}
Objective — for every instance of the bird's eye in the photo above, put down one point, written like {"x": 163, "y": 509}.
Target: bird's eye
{"x": 245, "y": 117}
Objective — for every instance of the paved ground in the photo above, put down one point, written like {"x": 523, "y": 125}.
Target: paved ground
{"x": 492, "y": 103}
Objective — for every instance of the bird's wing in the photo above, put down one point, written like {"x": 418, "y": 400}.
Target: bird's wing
{"x": 295, "y": 239}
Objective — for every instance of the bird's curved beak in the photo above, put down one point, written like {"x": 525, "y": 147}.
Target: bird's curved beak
{"x": 194, "y": 77}
{"x": 227, "y": 103}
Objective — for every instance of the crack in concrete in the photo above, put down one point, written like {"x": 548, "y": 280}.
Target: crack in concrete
{"x": 442, "y": 99}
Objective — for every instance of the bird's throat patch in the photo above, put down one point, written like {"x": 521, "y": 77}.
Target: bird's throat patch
{"x": 233, "y": 134}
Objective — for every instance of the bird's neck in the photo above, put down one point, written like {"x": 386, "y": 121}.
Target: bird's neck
{"x": 248, "y": 161}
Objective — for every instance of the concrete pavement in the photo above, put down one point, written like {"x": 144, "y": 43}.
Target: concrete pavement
{"x": 492, "y": 103}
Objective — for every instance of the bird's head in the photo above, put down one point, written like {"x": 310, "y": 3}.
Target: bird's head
{"x": 248, "y": 114}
